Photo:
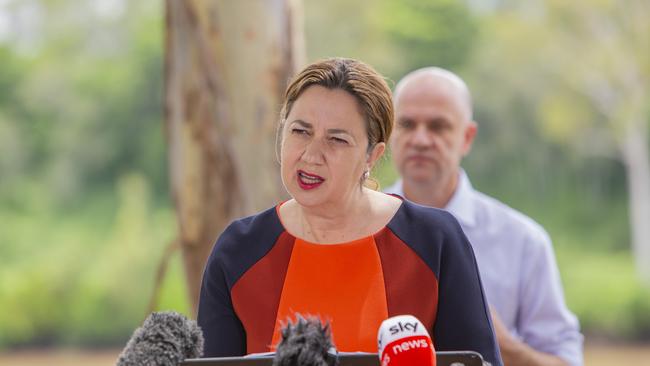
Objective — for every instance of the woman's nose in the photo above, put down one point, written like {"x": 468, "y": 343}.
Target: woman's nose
{"x": 313, "y": 153}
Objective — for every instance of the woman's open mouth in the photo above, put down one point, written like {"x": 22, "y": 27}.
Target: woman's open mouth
{"x": 308, "y": 181}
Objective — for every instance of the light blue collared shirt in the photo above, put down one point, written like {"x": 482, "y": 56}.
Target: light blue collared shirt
{"x": 518, "y": 271}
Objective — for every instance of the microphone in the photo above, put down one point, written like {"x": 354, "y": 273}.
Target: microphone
{"x": 404, "y": 341}
{"x": 307, "y": 342}
{"x": 165, "y": 338}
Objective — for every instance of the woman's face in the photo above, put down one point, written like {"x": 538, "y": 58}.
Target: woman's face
{"x": 324, "y": 147}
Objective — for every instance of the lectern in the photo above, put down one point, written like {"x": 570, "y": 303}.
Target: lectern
{"x": 462, "y": 358}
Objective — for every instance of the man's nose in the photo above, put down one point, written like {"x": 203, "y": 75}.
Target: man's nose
{"x": 420, "y": 137}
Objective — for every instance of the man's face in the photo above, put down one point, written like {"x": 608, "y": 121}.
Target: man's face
{"x": 433, "y": 131}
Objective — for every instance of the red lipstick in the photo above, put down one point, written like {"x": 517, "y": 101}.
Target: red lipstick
{"x": 309, "y": 181}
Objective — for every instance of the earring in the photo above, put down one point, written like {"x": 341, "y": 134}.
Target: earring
{"x": 365, "y": 175}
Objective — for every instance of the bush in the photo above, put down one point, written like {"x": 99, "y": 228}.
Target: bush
{"x": 83, "y": 276}
{"x": 604, "y": 292}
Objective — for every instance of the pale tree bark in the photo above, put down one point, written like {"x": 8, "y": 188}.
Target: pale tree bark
{"x": 636, "y": 156}
{"x": 227, "y": 64}
{"x": 619, "y": 89}
{"x": 626, "y": 109}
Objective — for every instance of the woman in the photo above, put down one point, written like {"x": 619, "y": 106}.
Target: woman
{"x": 351, "y": 255}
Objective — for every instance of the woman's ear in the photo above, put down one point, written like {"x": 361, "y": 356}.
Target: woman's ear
{"x": 376, "y": 153}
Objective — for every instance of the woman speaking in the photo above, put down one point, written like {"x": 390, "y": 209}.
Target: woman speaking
{"x": 338, "y": 250}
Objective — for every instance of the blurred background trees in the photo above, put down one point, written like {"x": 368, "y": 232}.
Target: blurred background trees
{"x": 586, "y": 66}
{"x": 561, "y": 97}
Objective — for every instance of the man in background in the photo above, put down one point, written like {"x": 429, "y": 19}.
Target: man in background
{"x": 434, "y": 130}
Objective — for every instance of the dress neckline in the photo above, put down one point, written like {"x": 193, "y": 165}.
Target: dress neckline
{"x": 356, "y": 241}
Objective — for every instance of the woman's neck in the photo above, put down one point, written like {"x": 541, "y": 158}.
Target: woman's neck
{"x": 337, "y": 222}
{"x": 330, "y": 224}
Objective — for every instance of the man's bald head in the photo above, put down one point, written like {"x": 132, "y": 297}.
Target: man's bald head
{"x": 433, "y": 132}
{"x": 440, "y": 80}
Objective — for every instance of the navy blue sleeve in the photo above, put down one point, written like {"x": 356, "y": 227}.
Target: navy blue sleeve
{"x": 222, "y": 330}
{"x": 463, "y": 319}
{"x": 238, "y": 248}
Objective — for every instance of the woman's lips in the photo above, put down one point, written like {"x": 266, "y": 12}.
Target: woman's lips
{"x": 308, "y": 181}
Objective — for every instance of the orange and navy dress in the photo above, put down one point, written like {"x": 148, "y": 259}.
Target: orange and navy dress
{"x": 259, "y": 275}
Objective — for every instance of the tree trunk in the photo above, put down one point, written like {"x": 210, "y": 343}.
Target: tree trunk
{"x": 636, "y": 156}
{"x": 227, "y": 64}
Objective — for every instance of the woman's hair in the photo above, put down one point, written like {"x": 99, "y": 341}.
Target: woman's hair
{"x": 365, "y": 84}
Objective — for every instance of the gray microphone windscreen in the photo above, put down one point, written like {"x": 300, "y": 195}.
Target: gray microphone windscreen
{"x": 307, "y": 342}
{"x": 165, "y": 338}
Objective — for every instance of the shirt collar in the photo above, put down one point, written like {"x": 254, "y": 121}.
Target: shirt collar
{"x": 460, "y": 204}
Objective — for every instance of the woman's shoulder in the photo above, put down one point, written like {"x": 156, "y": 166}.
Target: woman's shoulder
{"x": 431, "y": 233}
{"x": 245, "y": 234}
{"x": 423, "y": 227}
{"x": 242, "y": 244}
{"x": 250, "y": 225}
{"x": 437, "y": 220}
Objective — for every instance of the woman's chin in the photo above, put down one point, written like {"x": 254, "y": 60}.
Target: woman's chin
{"x": 307, "y": 198}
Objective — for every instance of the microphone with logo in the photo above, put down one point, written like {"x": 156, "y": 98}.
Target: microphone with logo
{"x": 164, "y": 339}
{"x": 403, "y": 340}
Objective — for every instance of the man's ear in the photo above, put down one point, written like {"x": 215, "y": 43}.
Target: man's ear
{"x": 468, "y": 137}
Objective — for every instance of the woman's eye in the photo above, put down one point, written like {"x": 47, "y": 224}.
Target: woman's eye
{"x": 299, "y": 131}
{"x": 339, "y": 140}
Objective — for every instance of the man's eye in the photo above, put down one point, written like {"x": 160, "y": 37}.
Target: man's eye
{"x": 437, "y": 127}
{"x": 406, "y": 124}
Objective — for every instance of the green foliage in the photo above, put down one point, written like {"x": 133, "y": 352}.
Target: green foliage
{"x": 85, "y": 275}
{"x": 427, "y": 33}
{"x": 603, "y": 291}
{"x": 393, "y": 36}
{"x": 86, "y": 105}
{"x": 83, "y": 189}
{"x": 84, "y": 206}
{"x": 638, "y": 325}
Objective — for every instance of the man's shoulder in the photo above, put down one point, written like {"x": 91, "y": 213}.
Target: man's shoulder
{"x": 493, "y": 213}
